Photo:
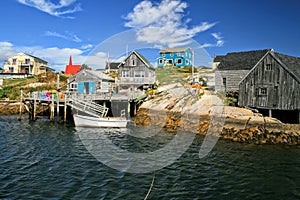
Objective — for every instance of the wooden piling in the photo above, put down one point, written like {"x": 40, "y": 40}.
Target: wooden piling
{"x": 65, "y": 109}
{"x": 52, "y": 109}
{"x": 21, "y": 100}
{"x": 34, "y": 108}
{"x": 57, "y": 105}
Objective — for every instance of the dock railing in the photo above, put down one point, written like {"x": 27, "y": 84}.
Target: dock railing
{"x": 87, "y": 106}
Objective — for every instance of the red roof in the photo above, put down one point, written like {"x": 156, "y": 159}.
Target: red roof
{"x": 72, "y": 69}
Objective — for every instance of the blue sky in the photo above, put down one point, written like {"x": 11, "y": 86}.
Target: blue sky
{"x": 91, "y": 31}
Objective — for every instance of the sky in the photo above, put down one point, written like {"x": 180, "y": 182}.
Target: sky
{"x": 94, "y": 32}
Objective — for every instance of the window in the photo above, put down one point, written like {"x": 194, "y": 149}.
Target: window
{"x": 73, "y": 87}
{"x": 139, "y": 73}
{"x": 179, "y": 61}
{"x": 11, "y": 69}
{"x": 170, "y": 61}
{"x": 262, "y": 92}
{"x": 133, "y": 62}
{"x": 124, "y": 74}
{"x": 14, "y": 61}
{"x": 186, "y": 62}
{"x": 99, "y": 85}
{"x": 161, "y": 61}
{"x": 27, "y": 61}
{"x": 178, "y": 54}
{"x": 269, "y": 67}
{"x": 163, "y": 55}
{"x": 224, "y": 81}
{"x": 171, "y": 54}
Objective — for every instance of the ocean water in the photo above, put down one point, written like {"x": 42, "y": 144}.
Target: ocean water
{"x": 45, "y": 160}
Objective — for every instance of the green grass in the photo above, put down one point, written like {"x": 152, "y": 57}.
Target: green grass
{"x": 11, "y": 88}
{"x": 173, "y": 75}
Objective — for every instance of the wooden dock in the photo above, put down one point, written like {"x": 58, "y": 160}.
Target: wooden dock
{"x": 59, "y": 104}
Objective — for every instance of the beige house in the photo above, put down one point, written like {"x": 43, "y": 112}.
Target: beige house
{"x": 25, "y": 64}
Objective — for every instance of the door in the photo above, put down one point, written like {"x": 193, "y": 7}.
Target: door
{"x": 86, "y": 88}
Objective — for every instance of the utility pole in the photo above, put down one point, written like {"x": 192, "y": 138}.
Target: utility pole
{"x": 192, "y": 66}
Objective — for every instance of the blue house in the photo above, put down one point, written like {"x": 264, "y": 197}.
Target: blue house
{"x": 179, "y": 57}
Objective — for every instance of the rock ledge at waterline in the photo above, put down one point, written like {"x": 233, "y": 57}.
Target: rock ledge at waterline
{"x": 198, "y": 111}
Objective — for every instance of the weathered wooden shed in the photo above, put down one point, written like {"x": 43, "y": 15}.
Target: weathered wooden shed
{"x": 273, "y": 87}
{"x": 233, "y": 67}
{"x": 136, "y": 71}
{"x": 90, "y": 82}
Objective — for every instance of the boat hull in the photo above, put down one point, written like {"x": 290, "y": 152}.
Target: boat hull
{"x": 99, "y": 122}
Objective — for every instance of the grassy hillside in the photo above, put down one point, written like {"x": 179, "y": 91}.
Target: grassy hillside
{"x": 174, "y": 75}
{"x": 11, "y": 88}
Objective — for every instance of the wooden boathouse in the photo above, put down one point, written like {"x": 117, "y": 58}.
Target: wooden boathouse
{"x": 263, "y": 80}
{"x": 273, "y": 87}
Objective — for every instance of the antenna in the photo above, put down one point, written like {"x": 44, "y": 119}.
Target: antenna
{"x": 108, "y": 62}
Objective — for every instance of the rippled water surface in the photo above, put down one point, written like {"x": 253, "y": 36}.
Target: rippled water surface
{"x": 44, "y": 160}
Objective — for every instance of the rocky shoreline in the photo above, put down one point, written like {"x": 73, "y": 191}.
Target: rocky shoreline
{"x": 194, "y": 110}
{"x": 10, "y": 107}
{"x": 198, "y": 111}
{"x": 13, "y": 108}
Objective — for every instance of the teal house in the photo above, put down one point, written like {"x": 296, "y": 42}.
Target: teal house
{"x": 179, "y": 57}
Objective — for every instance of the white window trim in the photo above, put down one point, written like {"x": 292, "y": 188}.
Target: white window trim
{"x": 177, "y": 59}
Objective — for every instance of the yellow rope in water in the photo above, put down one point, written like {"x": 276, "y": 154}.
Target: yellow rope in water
{"x": 150, "y": 187}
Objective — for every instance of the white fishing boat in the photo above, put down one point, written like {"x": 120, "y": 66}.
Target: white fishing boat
{"x": 99, "y": 122}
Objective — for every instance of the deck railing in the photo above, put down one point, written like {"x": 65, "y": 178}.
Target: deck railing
{"x": 88, "y": 107}
{"x": 137, "y": 80}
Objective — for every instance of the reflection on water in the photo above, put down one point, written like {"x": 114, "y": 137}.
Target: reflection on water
{"x": 42, "y": 160}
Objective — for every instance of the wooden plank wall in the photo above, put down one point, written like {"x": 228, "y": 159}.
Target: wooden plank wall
{"x": 283, "y": 91}
{"x": 233, "y": 78}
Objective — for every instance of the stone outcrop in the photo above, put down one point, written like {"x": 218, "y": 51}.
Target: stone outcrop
{"x": 201, "y": 112}
{"x": 13, "y": 108}
{"x": 10, "y": 107}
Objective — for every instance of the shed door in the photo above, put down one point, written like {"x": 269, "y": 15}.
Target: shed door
{"x": 89, "y": 88}
{"x": 80, "y": 87}
{"x": 86, "y": 88}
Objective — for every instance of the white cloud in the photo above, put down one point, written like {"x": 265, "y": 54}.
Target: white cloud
{"x": 66, "y": 36}
{"x": 61, "y": 9}
{"x": 218, "y": 43}
{"x": 219, "y": 39}
{"x": 163, "y": 23}
{"x": 87, "y": 46}
{"x": 6, "y": 50}
{"x": 57, "y": 55}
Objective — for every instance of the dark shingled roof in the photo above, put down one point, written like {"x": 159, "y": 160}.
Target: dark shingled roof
{"x": 218, "y": 58}
{"x": 145, "y": 60}
{"x": 112, "y": 65}
{"x": 241, "y": 60}
{"x": 147, "y": 63}
{"x": 292, "y": 63}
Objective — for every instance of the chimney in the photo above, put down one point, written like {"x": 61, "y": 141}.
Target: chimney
{"x": 70, "y": 61}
